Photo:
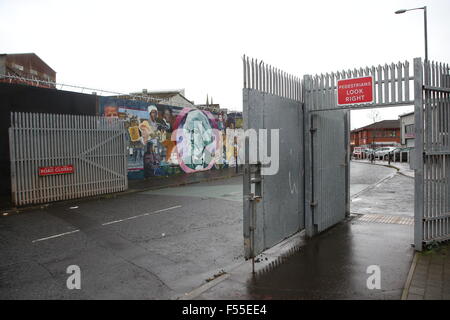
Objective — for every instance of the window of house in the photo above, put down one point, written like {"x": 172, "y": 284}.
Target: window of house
{"x": 18, "y": 66}
{"x": 409, "y": 128}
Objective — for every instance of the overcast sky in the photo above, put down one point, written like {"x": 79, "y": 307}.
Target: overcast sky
{"x": 197, "y": 45}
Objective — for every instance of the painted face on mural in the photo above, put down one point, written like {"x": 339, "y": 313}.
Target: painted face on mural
{"x": 165, "y": 140}
{"x": 111, "y": 111}
{"x": 196, "y": 140}
{"x": 153, "y": 113}
{"x": 167, "y": 115}
{"x": 146, "y": 131}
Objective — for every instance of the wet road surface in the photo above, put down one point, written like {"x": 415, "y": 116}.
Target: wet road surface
{"x": 331, "y": 266}
{"x": 363, "y": 175}
{"x": 150, "y": 245}
{"x": 395, "y": 196}
{"x": 138, "y": 246}
{"x": 334, "y": 264}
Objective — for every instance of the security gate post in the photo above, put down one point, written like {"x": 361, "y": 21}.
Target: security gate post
{"x": 347, "y": 163}
{"x": 419, "y": 149}
{"x": 308, "y": 158}
{"x": 273, "y": 124}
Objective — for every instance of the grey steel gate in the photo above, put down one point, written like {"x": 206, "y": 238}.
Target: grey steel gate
{"x": 327, "y": 171}
{"x": 325, "y": 158}
{"x": 432, "y": 188}
{"x": 94, "y": 148}
{"x": 272, "y": 100}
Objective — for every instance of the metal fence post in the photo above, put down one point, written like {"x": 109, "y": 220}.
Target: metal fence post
{"x": 308, "y": 165}
{"x": 419, "y": 146}
{"x": 347, "y": 162}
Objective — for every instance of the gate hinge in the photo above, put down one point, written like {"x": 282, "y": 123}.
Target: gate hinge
{"x": 313, "y": 204}
{"x": 252, "y": 197}
{"x": 255, "y": 180}
{"x": 313, "y": 130}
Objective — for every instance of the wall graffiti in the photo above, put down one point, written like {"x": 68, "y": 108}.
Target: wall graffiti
{"x": 165, "y": 140}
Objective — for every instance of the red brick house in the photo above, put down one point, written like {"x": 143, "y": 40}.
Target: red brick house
{"x": 23, "y": 66}
{"x": 384, "y": 133}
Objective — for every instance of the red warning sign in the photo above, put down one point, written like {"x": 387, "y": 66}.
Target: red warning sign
{"x": 355, "y": 91}
{"x": 47, "y": 171}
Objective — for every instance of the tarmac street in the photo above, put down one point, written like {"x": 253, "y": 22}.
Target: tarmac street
{"x": 364, "y": 175}
{"x": 147, "y": 245}
{"x": 336, "y": 264}
{"x": 162, "y": 244}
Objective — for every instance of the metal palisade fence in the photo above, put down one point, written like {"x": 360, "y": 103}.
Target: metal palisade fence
{"x": 436, "y": 155}
{"x": 264, "y": 78}
{"x": 392, "y": 86}
{"x": 59, "y": 157}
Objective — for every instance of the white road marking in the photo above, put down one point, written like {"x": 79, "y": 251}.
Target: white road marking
{"x": 140, "y": 215}
{"x": 107, "y": 223}
{"x": 55, "y": 236}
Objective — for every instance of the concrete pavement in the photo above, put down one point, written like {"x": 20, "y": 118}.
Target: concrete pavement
{"x": 430, "y": 275}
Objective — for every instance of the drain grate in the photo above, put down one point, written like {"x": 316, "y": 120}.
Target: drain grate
{"x": 378, "y": 218}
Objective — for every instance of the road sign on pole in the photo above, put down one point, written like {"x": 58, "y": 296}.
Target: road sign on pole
{"x": 355, "y": 91}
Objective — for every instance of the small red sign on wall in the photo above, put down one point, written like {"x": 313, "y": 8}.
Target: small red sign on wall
{"x": 47, "y": 171}
{"x": 355, "y": 91}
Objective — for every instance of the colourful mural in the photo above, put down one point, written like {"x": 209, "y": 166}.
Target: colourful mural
{"x": 164, "y": 140}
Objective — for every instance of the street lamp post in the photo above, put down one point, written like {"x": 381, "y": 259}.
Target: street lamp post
{"x": 425, "y": 23}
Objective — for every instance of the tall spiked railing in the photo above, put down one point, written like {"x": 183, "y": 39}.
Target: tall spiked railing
{"x": 265, "y": 78}
{"x": 437, "y": 102}
{"x": 436, "y": 155}
{"x": 437, "y": 75}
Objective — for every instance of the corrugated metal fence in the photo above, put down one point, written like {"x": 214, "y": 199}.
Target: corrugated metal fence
{"x": 59, "y": 157}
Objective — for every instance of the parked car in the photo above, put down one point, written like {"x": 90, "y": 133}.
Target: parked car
{"x": 382, "y": 152}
